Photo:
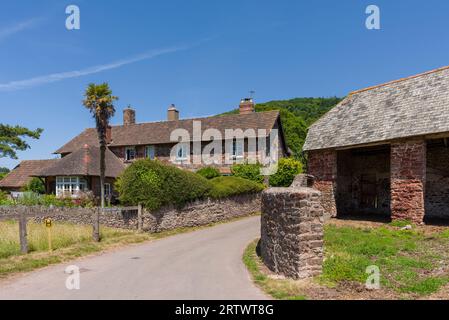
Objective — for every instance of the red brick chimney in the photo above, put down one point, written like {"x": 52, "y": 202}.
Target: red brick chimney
{"x": 129, "y": 116}
{"x": 246, "y": 106}
{"x": 172, "y": 113}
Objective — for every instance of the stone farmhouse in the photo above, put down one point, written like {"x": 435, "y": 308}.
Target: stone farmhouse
{"x": 78, "y": 168}
{"x": 385, "y": 150}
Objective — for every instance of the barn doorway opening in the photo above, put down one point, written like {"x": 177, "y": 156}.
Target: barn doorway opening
{"x": 363, "y": 183}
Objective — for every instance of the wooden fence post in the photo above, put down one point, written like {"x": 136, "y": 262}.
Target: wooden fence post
{"x": 23, "y": 232}
{"x": 139, "y": 218}
{"x": 96, "y": 225}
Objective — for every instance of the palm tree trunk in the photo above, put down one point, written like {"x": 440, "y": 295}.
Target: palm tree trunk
{"x": 102, "y": 173}
{"x": 102, "y": 195}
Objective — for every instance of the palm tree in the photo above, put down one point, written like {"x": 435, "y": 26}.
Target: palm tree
{"x": 100, "y": 102}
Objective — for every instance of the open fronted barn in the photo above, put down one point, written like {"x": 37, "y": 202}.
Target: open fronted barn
{"x": 385, "y": 150}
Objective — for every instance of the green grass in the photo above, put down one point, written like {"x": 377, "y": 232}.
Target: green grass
{"x": 279, "y": 289}
{"x": 406, "y": 258}
{"x": 401, "y": 223}
{"x": 409, "y": 261}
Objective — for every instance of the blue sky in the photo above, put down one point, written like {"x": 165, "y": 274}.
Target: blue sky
{"x": 202, "y": 56}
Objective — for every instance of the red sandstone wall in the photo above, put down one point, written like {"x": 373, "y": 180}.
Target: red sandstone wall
{"x": 408, "y": 176}
{"x": 323, "y": 166}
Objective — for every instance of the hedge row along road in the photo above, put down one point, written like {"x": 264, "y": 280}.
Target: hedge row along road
{"x": 205, "y": 264}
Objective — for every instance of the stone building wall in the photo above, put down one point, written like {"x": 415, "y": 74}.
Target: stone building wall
{"x": 437, "y": 181}
{"x": 196, "y": 213}
{"x": 408, "y": 177}
{"x": 292, "y": 231}
{"x": 323, "y": 166}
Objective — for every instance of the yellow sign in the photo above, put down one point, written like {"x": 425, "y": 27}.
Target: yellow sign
{"x": 48, "y": 223}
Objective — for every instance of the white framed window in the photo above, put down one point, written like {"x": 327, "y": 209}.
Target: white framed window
{"x": 130, "y": 153}
{"x": 149, "y": 152}
{"x": 237, "y": 149}
{"x": 107, "y": 190}
{"x": 70, "y": 186}
{"x": 181, "y": 152}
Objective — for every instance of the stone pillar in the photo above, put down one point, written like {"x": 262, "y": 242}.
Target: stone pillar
{"x": 323, "y": 166}
{"x": 292, "y": 231}
{"x": 408, "y": 178}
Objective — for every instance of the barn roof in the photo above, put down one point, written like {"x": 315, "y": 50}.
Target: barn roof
{"x": 413, "y": 106}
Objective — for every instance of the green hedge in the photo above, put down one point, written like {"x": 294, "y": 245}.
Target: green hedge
{"x": 155, "y": 185}
{"x": 209, "y": 172}
{"x": 229, "y": 186}
{"x": 288, "y": 168}
{"x": 248, "y": 171}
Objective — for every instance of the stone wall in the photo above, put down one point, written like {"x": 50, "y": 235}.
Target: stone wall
{"x": 323, "y": 166}
{"x": 437, "y": 184}
{"x": 408, "y": 176}
{"x": 292, "y": 231}
{"x": 201, "y": 213}
{"x": 192, "y": 214}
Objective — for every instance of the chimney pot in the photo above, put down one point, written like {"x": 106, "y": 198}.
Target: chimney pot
{"x": 129, "y": 116}
{"x": 172, "y": 113}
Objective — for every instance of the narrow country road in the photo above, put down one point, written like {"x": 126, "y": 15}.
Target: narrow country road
{"x": 205, "y": 264}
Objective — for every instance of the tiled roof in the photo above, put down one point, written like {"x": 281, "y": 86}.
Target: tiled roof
{"x": 159, "y": 132}
{"x": 22, "y": 174}
{"x": 84, "y": 162}
{"x": 414, "y": 106}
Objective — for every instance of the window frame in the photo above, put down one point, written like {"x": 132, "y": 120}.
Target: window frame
{"x": 183, "y": 148}
{"x": 107, "y": 190}
{"x": 234, "y": 152}
{"x": 71, "y": 185}
{"x": 150, "y": 152}
{"x": 127, "y": 156}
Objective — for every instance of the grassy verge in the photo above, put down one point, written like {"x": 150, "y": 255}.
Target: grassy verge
{"x": 69, "y": 242}
{"x": 412, "y": 264}
{"x": 277, "y": 288}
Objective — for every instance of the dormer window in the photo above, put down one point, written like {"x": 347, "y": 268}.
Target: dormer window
{"x": 130, "y": 153}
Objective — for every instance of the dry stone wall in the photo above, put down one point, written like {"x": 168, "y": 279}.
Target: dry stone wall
{"x": 192, "y": 214}
{"x": 292, "y": 231}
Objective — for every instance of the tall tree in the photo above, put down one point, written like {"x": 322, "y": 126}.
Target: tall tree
{"x": 12, "y": 139}
{"x": 100, "y": 102}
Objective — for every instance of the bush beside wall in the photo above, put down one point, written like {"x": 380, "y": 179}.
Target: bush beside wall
{"x": 156, "y": 185}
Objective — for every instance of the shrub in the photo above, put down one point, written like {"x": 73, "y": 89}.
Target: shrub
{"x": 223, "y": 187}
{"x": 35, "y": 185}
{"x": 4, "y": 199}
{"x": 155, "y": 184}
{"x": 29, "y": 199}
{"x": 248, "y": 171}
{"x": 209, "y": 172}
{"x": 288, "y": 168}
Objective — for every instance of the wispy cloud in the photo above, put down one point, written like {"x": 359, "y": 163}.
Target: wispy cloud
{"x": 40, "y": 80}
{"x": 18, "y": 27}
